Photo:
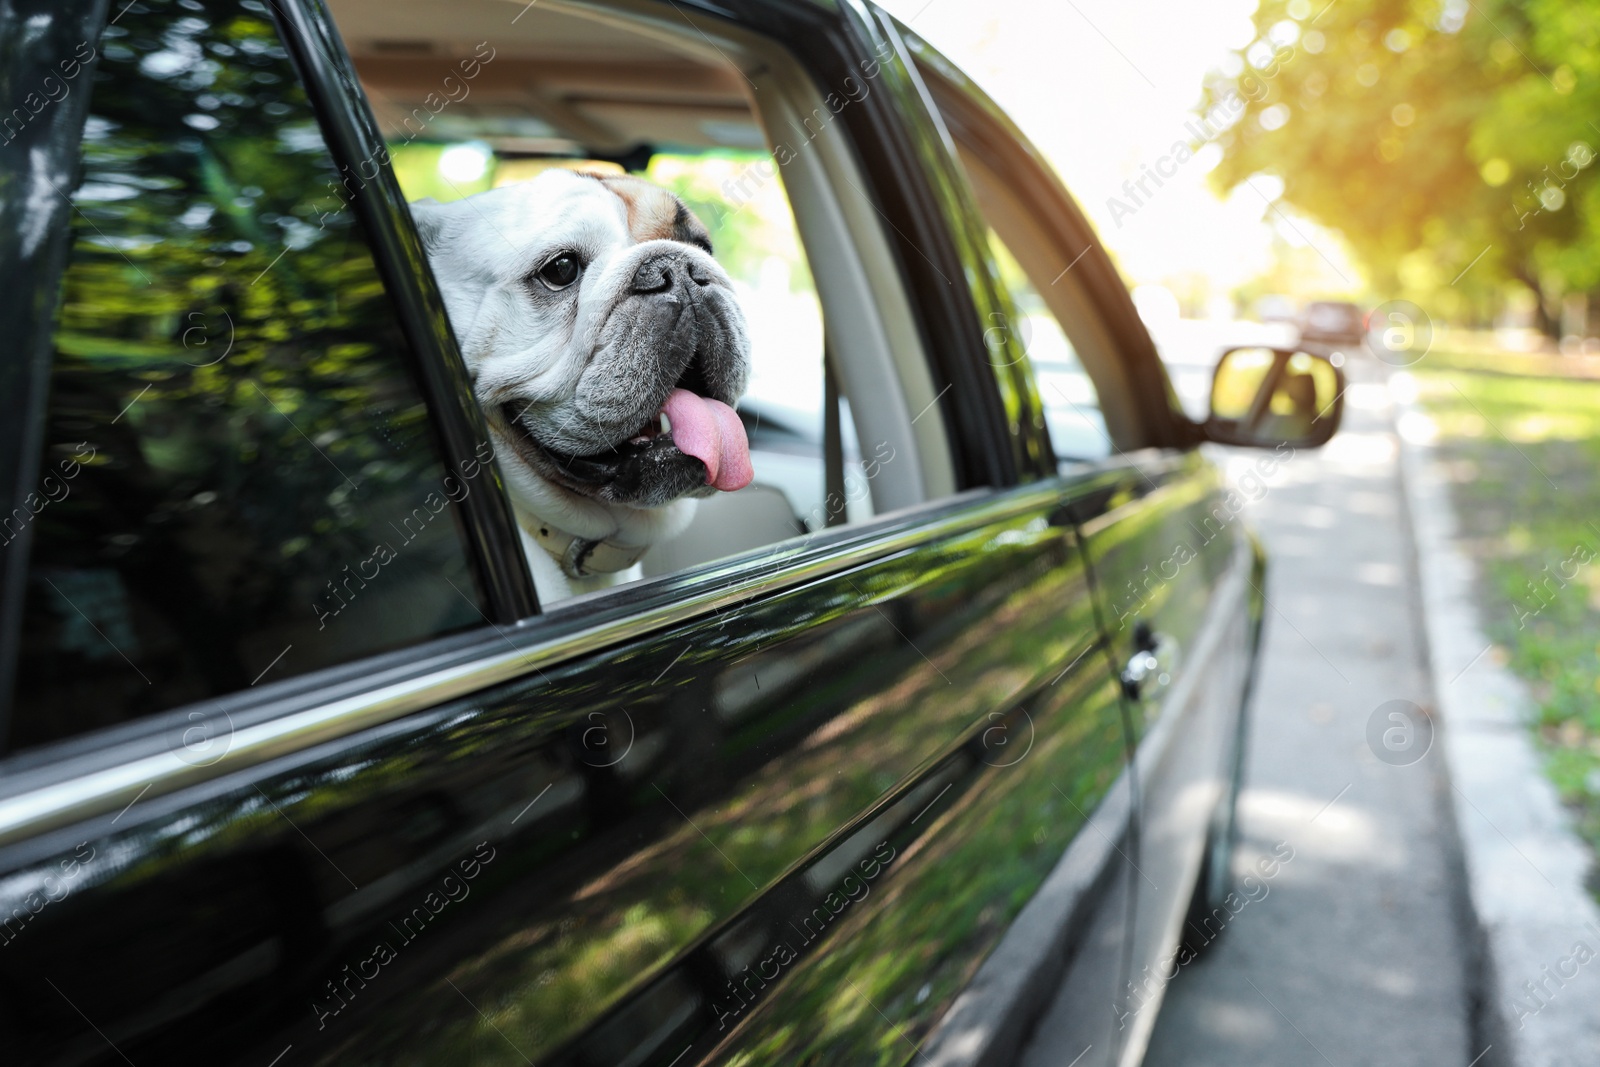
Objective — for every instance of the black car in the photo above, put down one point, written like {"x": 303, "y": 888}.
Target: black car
{"x": 933, "y": 728}
{"x": 1332, "y": 322}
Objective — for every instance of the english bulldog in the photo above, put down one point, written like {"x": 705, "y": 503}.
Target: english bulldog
{"x": 607, "y": 350}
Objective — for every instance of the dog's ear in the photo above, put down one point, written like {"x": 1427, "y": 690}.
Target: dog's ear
{"x": 428, "y": 214}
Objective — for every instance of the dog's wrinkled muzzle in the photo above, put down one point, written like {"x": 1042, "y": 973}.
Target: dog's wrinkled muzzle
{"x": 652, "y": 416}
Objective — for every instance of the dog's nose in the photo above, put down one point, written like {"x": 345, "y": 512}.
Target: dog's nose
{"x": 661, "y": 271}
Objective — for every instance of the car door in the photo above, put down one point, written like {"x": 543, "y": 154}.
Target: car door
{"x": 1176, "y": 578}
{"x": 780, "y": 806}
{"x": 1179, "y": 590}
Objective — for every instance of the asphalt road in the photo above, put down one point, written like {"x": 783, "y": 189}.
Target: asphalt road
{"x": 1358, "y": 954}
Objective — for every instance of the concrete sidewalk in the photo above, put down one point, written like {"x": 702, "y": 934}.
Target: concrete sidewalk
{"x": 1363, "y": 950}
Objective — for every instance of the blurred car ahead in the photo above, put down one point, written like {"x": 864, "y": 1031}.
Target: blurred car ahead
{"x": 1275, "y": 308}
{"x": 1332, "y": 322}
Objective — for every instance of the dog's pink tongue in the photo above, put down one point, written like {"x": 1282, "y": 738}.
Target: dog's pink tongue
{"x": 709, "y": 431}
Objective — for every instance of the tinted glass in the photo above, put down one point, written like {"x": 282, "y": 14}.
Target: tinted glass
{"x": 239, "y": 482}
{"x": 1071, "y": 404}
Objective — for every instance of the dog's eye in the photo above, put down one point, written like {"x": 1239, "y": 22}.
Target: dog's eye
{"x": 561, "y": 271}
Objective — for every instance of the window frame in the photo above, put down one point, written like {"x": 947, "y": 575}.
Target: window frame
{"x": 34, "y": 275}
{"x": 1046, "y": 405}
{"x": 895, "y": 151}
{"x": 494, "y": 544}
{"x": 979, "y": 299}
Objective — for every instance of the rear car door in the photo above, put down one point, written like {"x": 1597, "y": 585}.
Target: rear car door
{"x": 294, "y": 769}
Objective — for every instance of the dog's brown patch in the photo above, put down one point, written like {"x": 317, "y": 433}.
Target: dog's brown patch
{"x": 654, "y": 214}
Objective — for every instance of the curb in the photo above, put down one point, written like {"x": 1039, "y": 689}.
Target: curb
{"x": 1525, "y": 866}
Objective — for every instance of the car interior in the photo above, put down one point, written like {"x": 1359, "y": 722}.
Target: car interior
{"x": 673, "y": 98}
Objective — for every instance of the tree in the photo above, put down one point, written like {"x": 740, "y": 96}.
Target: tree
{"x": 1449, "y": 143}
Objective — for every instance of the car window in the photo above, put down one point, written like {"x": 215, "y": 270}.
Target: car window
{"x": 239, "y": 482}
{"x": 828, "y": 412}
{"x": 1086, "y": 381}
{"x": 1075, "y": 361}
{"x": 1071, "y": 402}
{"x": 751, "y": 226}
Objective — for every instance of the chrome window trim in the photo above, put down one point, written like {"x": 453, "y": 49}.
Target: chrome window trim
{"x": 51, "y": 805}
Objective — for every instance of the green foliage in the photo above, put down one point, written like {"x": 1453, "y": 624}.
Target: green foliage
{"x": 748, "y": 228}
{"x": 1428, "y": 133}
{"x": 1524, "y": 452}
{"x": 416, "y": 168}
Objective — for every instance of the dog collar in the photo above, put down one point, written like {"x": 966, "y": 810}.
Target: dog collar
{"x": 580, "y": 557}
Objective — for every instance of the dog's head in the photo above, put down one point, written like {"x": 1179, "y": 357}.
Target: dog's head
{"x": 605, "y": 343}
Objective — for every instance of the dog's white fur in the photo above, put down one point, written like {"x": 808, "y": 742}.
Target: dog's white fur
{"x": 531, "y": 348}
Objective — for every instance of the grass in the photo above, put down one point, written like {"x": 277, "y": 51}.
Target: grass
{"x": 1521, "y": 444}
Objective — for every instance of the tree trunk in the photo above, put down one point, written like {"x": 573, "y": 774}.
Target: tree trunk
{"x": 1549, "y": 325}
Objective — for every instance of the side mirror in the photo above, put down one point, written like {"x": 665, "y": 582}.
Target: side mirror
{"x": 1266, "y": 397}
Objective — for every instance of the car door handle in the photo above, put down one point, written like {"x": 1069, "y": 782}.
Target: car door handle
{"x": 1142, "y": 669}
{"x": 1149, "y": 669}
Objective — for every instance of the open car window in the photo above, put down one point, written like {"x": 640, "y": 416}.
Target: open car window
{"x": 837, "y": 412}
